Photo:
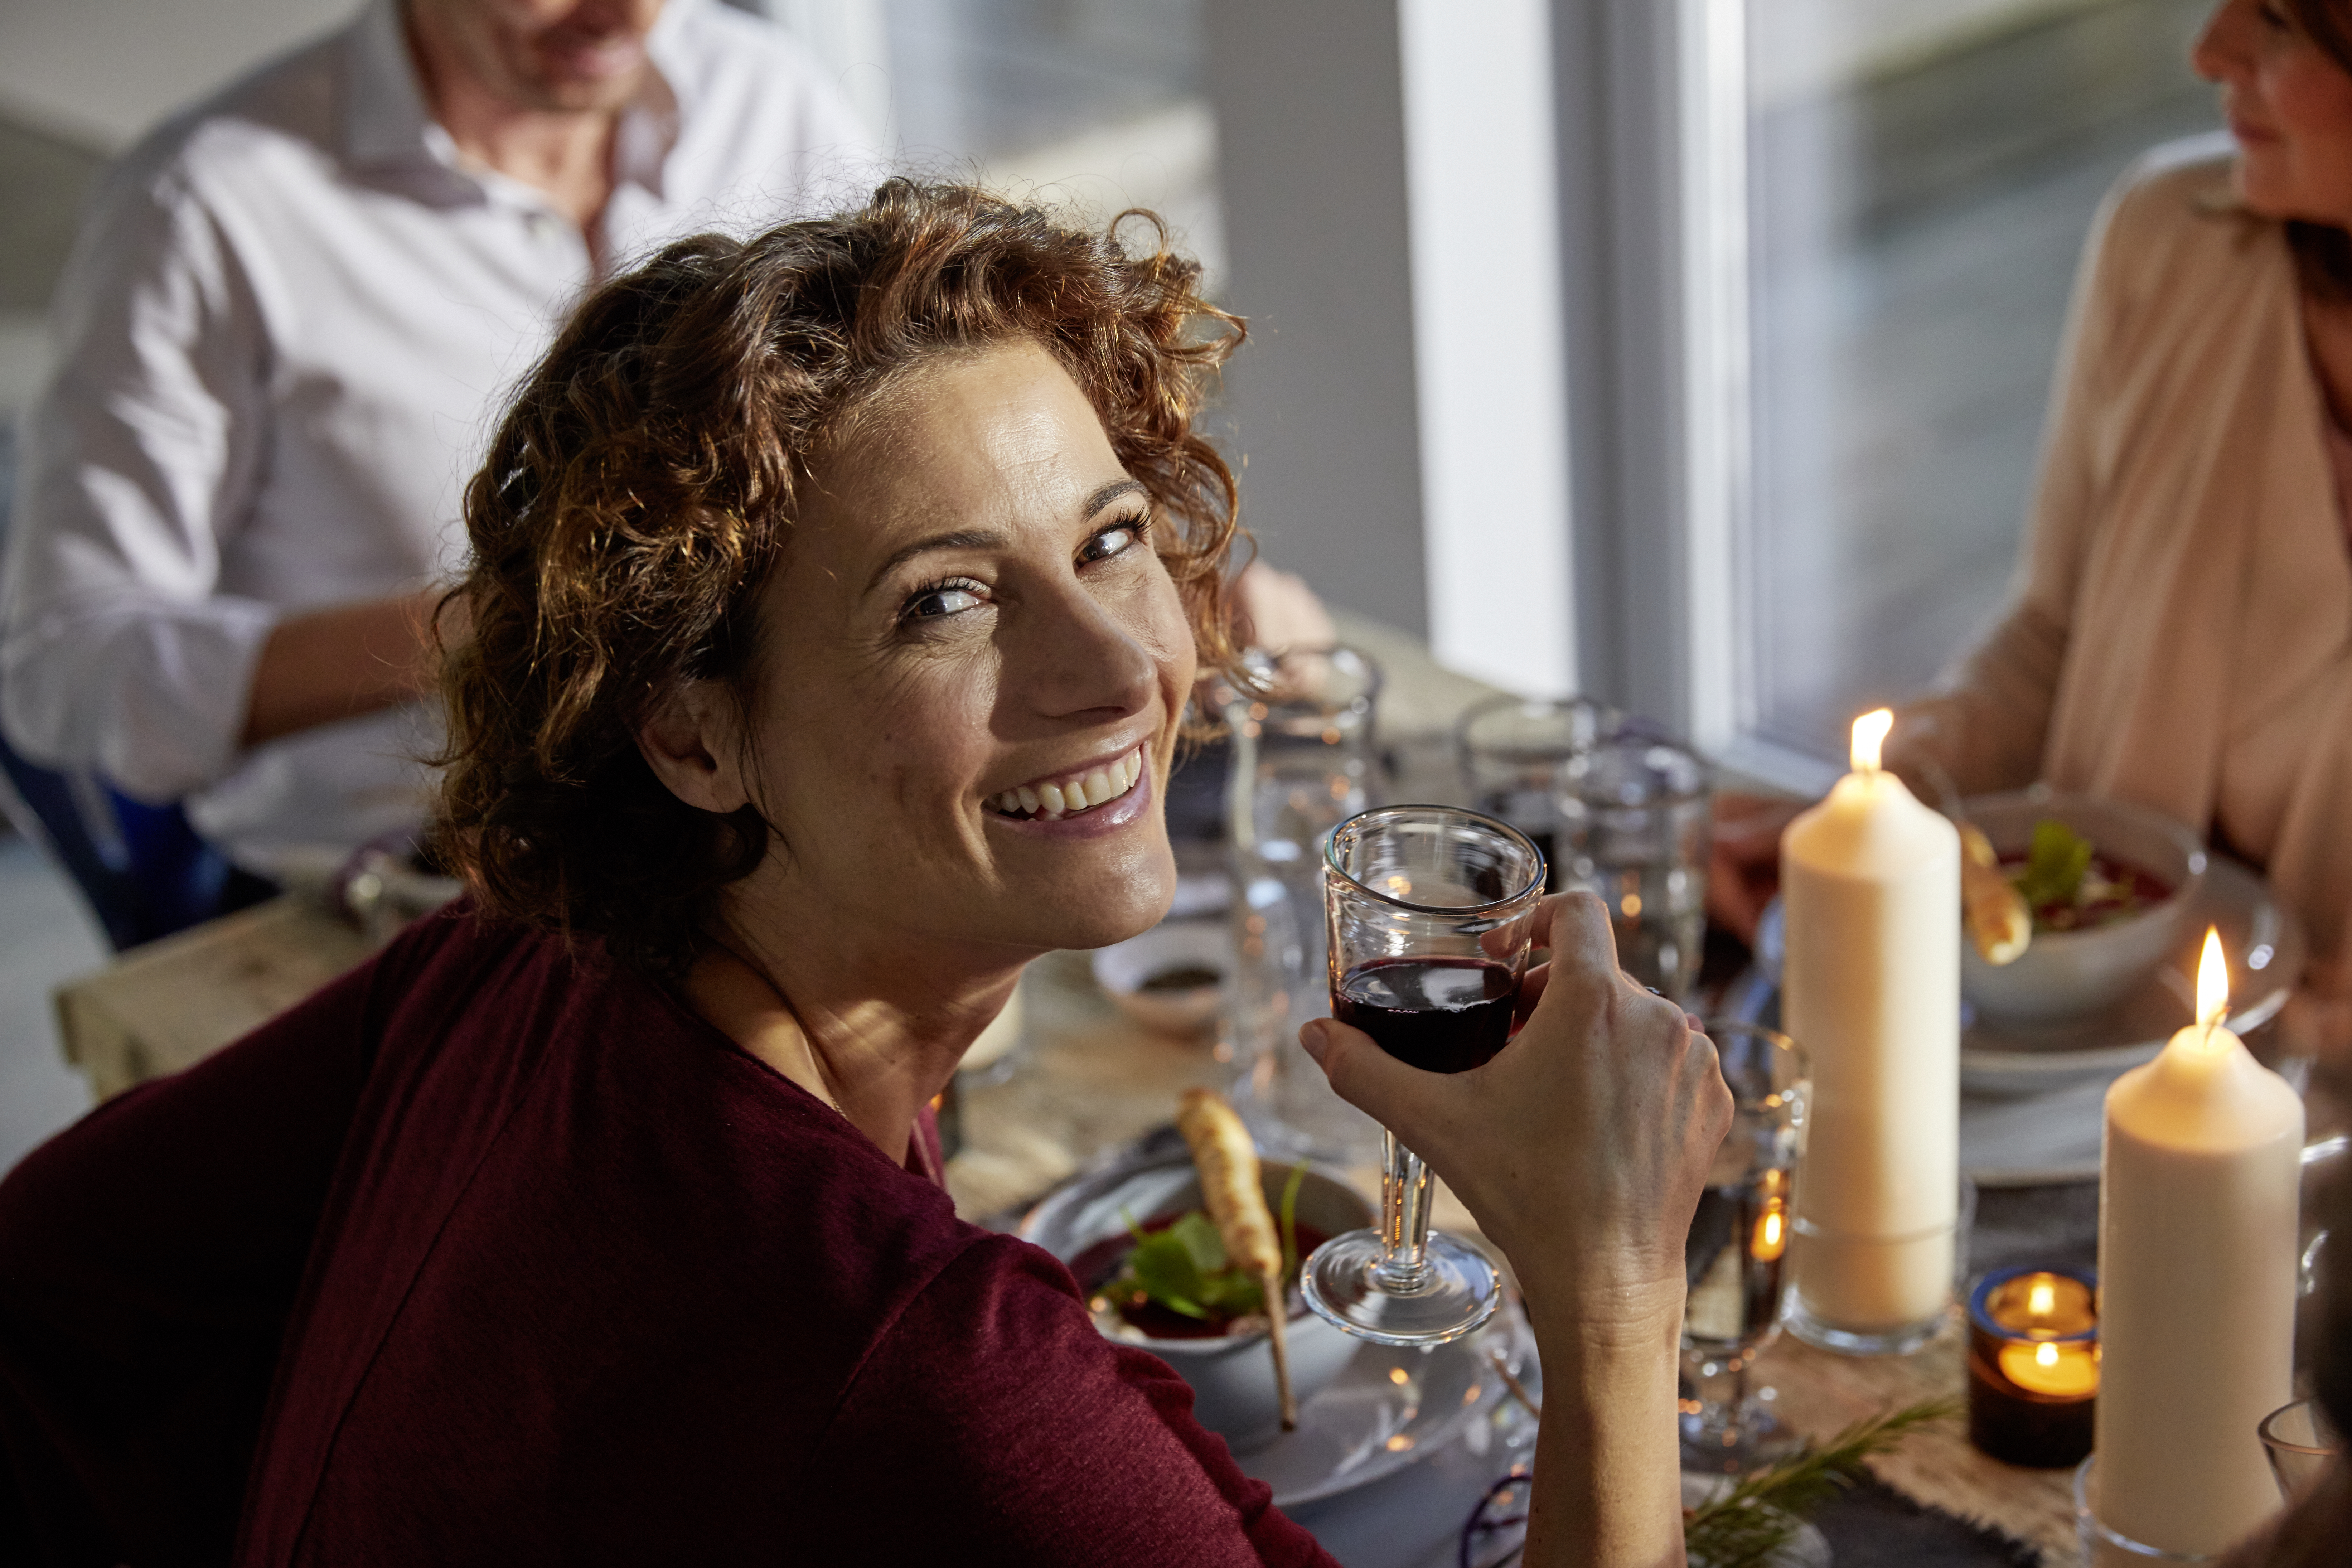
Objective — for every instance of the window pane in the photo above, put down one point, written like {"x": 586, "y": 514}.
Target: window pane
{"x": 1921, "y": 176}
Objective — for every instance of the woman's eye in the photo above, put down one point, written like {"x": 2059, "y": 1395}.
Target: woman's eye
{"x": 945, "y": 599}
{"x": 1116, "y": 539}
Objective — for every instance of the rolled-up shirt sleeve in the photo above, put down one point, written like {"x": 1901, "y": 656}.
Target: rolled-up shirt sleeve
{"x": 118, "y": 651}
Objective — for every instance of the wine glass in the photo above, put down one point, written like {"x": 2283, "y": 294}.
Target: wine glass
{"x": 1430, "y": 910}
{"x": 1635, "y": 810}
{"x": 1515, "y": 752}
{"x": 1734, "y": 1256}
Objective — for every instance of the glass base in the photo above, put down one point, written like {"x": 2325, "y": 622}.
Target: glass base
{"x": 1456, "y": 1292}
{"x": 1718, "y": 1440}
{"x": 1900, "y": 1340}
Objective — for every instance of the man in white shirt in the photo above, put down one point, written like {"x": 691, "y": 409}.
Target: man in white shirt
{"x": 283, "y": 338}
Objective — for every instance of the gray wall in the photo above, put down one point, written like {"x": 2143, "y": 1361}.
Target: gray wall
{"x": 1320, "y": 403}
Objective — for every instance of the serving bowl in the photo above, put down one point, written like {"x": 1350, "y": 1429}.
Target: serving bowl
{"x": 1232, "y": 1377}
{"x": 2068, "y": 975}
{"x": 1124, "y": 969}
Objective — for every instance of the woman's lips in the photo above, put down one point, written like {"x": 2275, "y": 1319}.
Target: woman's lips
{"x": 1096, "y": 819}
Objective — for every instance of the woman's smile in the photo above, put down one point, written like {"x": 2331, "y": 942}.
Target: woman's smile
{"x": 1088, "y": 787}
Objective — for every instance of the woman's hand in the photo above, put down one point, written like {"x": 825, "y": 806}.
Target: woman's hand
{"x": 1743, "y": 869}
{"x": 1582, "y": 1147}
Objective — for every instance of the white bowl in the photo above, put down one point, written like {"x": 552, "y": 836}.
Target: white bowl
{"x": 1121, "y": 969}
{"x": 2068, "y": 975}
{"x": 1233, "y": 1378}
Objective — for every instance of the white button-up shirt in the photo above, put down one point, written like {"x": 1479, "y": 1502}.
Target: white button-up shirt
{"x": 283, "y": 340}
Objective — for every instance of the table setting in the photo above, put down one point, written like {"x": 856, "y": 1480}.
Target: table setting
{"x": 1914, "y": 1332}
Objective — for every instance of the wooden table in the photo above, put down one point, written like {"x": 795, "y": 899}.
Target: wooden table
{"x": 1086, "y": 1085}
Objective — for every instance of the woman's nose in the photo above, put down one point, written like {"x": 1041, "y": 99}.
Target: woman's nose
{"x": 2220, "y": 49}
{"x": 1083, "y": 660}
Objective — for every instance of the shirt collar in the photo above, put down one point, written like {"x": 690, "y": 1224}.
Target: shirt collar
{"x": 385, "y": 120}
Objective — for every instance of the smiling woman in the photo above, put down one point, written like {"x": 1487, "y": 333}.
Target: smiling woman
{"x": 834, "y": 602}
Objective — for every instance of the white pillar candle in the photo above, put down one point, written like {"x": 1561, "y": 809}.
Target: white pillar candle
{"x": 2198, "y": 1193}
{"x": 1870, "y": 880}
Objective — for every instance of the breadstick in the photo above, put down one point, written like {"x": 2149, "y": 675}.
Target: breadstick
{"x": 1993, "y": 910}
{"x": 1234, "y": 1196}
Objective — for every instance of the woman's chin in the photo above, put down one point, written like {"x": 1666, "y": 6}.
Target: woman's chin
{"x": 1121, "y": 902}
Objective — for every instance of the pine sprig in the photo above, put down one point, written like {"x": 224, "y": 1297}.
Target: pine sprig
{"x": 1759, "y": 1517}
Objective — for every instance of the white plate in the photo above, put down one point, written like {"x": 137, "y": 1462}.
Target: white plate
{"x": 2036, "y": 1141}
{"x": 2266, "y": 947}
{"x": 1368, "y": 1422}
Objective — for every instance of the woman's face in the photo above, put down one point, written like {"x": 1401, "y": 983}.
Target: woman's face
{"x": 2289, "y": 106}
{"x": 972, "y": 667}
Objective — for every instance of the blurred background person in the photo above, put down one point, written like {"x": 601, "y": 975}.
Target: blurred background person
{"x": 288, "y": 312}
{"x": 2177, "y": 637}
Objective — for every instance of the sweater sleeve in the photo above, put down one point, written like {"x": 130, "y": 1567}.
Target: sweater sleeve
{"x": 991, "y": 1423}
{"x": 150, "y": 1255}
{"x": 1987, "y": 719}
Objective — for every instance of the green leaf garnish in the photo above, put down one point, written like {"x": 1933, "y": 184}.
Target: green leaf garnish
{"x": 2054, "y": 865}
{"x": 1748, "y": 1525}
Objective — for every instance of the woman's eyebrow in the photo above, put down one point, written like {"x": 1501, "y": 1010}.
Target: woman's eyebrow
{"x": 1111, "y": 492}
{"x": 957, "y": 538}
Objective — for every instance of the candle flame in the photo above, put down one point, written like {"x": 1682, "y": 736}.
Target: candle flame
{"x": 1869, "y": 730}
{"x": 2045, "y": 1354}
{"x": 2212, "y": 981}
{"x": 2041, "y": 1297}
{"x": 1770, "y": 1238}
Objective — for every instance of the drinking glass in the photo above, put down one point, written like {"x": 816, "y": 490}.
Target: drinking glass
{"x": 1738, "y": 1248}
{"x": 2301, "y": 1445}
{"x": 1634, "y": 816}
{"x": 1515, "y": 755}
{"x": 1430, "y": 912}
{"x": 1304, "y": 761}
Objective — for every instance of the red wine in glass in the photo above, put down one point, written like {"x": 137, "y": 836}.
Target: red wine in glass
{"x": 1440, "y": 1014}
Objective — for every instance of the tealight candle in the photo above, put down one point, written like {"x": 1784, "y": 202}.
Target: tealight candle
{"x": 2034, "y": 1366}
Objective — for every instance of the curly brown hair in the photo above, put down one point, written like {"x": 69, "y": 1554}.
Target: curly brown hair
{"x": 640, "y": 491}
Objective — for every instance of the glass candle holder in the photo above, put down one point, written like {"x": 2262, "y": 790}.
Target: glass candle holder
{"x": 2033, "y": 1365}
{"x": 2105, "y": 1547}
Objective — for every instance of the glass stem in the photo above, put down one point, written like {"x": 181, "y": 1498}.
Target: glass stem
{"x": 1404, "y": 1266}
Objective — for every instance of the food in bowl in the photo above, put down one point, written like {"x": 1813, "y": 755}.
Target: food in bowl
{"x": 2069, "y": 884}
{"x": 1168, "y": 1279}
{"x": 2083, "y": 959}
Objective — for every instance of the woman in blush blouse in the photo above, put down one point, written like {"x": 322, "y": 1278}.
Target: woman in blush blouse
{"x": 2181, "y": 631}
{"x": 833, "y": 603}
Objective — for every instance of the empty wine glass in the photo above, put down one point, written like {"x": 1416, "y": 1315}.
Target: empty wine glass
{"x": 1516, "y": 753}
{"x": 1430, "y": 910}
{"x": 1738, "y": 1244}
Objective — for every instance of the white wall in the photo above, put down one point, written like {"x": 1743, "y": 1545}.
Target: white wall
{"x": 101, "y": 71}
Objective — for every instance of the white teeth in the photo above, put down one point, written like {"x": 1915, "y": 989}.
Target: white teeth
{"x": 1095, "y": 787}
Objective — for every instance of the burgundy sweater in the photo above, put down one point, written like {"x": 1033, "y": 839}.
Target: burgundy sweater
{"x": 490, "y": 1254}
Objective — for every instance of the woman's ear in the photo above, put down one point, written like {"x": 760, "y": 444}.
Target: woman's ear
{"x": 692, "y": 741}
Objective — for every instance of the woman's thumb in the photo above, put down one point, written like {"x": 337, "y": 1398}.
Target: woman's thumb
{"x": 1368, "y": 1078}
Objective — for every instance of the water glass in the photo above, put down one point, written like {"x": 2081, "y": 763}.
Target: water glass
{"x": 1635, "y": 813}
{"x": 1515, "y": 755}
{"x": 1304, "y": 760}
{"x": 1736, "y": 1255}
{"x": 1431, "y": 911}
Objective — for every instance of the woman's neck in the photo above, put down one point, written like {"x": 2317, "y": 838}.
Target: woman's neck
{"x": 875, "y": 1034}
